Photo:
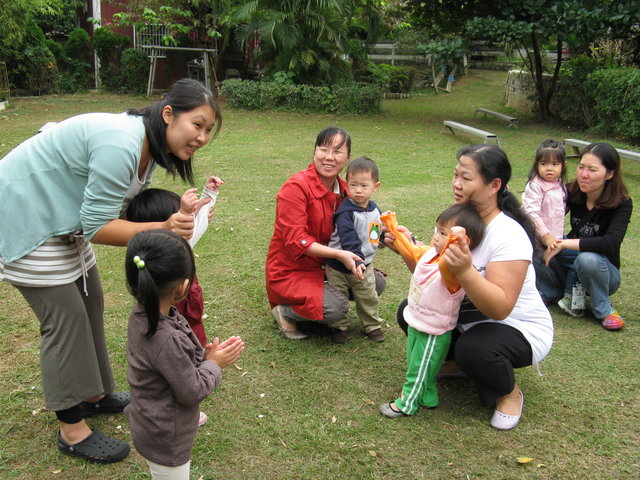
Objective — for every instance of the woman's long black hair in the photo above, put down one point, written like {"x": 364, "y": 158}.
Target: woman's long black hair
{"x": 493, "y": 163}
{"x": 183, "y": 96}
{"x": 168, "y": 261}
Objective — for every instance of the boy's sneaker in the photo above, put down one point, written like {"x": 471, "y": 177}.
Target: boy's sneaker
{"x": 376, "y": 335}
{"x": 613, "y": 321}
{"x": 565, "y": 304}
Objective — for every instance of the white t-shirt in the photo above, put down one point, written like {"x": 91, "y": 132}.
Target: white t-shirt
{"x": 505, "y": 240}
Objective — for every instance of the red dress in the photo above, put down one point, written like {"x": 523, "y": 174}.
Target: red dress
{"x": 304, "y": 214}
{"x": 192, "y": 308}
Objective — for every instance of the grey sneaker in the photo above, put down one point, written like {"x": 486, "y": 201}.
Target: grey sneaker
{"x": 288, "y": 329}
{"x": 565, "y": 304}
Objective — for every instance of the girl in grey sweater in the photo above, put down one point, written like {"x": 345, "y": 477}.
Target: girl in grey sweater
{"x": 169, "y": 371}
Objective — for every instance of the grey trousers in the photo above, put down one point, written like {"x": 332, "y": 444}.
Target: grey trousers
{"x": 73, "y": 352}
{"x": 335, "y": 303}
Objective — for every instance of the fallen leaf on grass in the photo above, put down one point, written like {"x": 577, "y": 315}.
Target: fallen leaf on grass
{"x": 272, "y": 364}
{"x": 333, "y": 419}
{"x": 524, "y": 460}
{"x": 38, "y": 411}
{"x": 243, "y": 374}
{"x": 55, "y": 472}
{"x": 541, "y": 465}
{"x": 237, "y": 367}
{"x": 370, "y": 402}
{"x": 373, "y": 453}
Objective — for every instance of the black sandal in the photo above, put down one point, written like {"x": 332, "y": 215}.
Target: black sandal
{"x": 97, "y": 447}
{"x": 111, "y": 403}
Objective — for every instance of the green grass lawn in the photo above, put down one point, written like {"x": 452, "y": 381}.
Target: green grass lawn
{"x": 309, "y": 409}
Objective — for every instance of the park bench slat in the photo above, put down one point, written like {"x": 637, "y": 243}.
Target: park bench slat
{"x": 513, "y": 121}
{"x": 453, "y": 126}
{"x": 578, "y": 145}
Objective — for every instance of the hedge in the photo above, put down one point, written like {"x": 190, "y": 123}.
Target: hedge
{"x": 358, "y": 98}
{"x": 616, "y": 93}
{"x": 601, "y": 98}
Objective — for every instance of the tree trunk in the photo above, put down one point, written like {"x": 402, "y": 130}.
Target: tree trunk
{"x": 556, "y": 73}
{"x": 537, "y": 75}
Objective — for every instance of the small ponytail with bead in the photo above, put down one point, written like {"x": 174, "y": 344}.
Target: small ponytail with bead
{"x": 155, "y": 263}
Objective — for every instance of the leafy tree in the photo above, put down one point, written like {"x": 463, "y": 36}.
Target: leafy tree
{"x": 59, "y": 16}
{"x": 14, "y": 17}
{"x": 530, "y": 24}
{"x": 317, "y": 40}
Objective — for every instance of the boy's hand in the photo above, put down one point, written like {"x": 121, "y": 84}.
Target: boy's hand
{"x": 188, "y": 202}
{"x": 225, "y": 353}
{"x": 213, "y": 183}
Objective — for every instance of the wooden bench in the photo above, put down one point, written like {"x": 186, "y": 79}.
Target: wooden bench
{"x": 513, "y": 121}
{"x": 579, "y": 145}
{"x": 452, "y": 126}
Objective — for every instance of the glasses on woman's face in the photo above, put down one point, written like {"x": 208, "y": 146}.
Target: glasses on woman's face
{"x": 336, "y": 152}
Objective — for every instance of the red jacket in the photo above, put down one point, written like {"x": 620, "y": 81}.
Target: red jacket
{"x": 304, "y": 214}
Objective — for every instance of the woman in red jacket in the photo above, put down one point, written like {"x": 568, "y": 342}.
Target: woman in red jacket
{"x": 305, "y": 206}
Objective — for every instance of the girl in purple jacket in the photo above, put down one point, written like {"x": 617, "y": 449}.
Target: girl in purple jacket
{"x": 170, "y": 373}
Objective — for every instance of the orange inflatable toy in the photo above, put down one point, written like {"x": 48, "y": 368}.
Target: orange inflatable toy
{"x": 413, "y": 252}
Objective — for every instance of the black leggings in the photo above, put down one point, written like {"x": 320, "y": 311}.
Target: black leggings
{"x": 487, "y": 353}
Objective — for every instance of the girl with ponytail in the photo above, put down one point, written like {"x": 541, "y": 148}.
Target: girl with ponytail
{"x": 170, "y": 373}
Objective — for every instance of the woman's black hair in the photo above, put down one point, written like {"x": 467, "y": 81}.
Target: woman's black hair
{"x": 493, "y": 163}
{"x": 183, "y": 96}
{"x": 168, "y": 261}
{"x": 364, "y": 165}
{"x": 615, "y": 191}
{"x": 550, "y": 149}
{"x": 464, "y": 215}
{"x": 153, "y": 205}
{"x": 325, "y": 137}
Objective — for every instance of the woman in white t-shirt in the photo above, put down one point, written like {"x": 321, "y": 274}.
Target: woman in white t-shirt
{"x": 503, "y": 323}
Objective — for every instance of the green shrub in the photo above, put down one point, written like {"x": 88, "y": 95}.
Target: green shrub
{"x": 616, "y": 94}
{"x": 33, "y": 70}
{"x": 37, "y": 72}
{"x": 75, "y": 77}
{"x": 78, "y": 45}
{"x": 356, "y": 98}
{"x": 57, "y": 50}
{"x": 573, "y": 100}
{"x": 388, "y": 77}
{"x": 134, "y": 71}
{"x": 109, "y": 45}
